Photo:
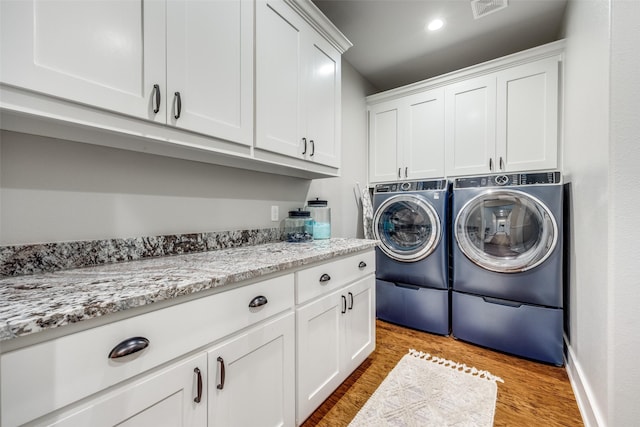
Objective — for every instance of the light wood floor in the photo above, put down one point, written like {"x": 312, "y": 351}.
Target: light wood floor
{"x": 533, "y": 394}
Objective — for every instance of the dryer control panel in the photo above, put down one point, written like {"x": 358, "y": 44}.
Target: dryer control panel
{"x": 508, "y": 180}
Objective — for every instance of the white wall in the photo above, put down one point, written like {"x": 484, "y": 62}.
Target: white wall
{"x": 600, "y": 150}
{"x": 624, "y": 281}
{"x": 586, "y": 166}
{"x": 339, "y": 192}
{"x": 55, "y": 190}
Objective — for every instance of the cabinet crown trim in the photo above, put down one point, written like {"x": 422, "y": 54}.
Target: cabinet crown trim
{"x": 530, "y": 55}
{"x": 321, "y": 23}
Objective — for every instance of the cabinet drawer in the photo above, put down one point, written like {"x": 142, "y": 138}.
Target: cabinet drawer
{"x": 312, "y": 282}
{"x": 47, "y": 376}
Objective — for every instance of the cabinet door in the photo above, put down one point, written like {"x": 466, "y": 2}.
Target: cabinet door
{"x": 279, "y": 44}
{"x": 319, "y": 342}
{"x": 527, "y": 116}
{"x": 384, "y": 134}
{"x": 164, "y": 398}
{"x": 252, "y": 377}
{"x": 359, "y": 323}
{"x": 107, "y": 54}
{"x": 470, "y": 126}
{"x": 322, "y": 102}
{"x": 210, "y": 64}
{"x": 422, "y": 144}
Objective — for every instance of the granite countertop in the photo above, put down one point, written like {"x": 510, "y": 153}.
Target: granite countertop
{"x": 30, "y": 304}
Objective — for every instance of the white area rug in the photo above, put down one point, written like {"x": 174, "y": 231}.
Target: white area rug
{"x": 423, "y": 390}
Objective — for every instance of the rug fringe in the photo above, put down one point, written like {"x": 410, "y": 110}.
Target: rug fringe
{"x": 454, "y": 365}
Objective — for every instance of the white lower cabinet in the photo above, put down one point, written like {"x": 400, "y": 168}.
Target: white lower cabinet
{"x": 164, "y": 398}
{"x": 252, "y": 377}
{"x": 241, "y": 357}
{"x": 335, "y": 334}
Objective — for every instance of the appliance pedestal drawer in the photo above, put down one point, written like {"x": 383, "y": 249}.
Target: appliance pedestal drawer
{"x": 524, "y": 330}
{"x": 426, "y": 309}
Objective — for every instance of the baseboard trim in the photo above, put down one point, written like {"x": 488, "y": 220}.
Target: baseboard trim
{"x": 591, "y": 416}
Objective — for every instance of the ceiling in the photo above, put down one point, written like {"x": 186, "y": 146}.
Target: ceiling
{"x": 391, "y": 47}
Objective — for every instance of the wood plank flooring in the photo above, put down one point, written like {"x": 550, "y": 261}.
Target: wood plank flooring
{"x": 533, "y": 394}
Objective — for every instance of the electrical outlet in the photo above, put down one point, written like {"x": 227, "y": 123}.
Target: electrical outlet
{"x": 275, "y": 215}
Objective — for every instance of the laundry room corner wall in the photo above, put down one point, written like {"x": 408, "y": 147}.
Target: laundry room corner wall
{"x": 586, "y": 168}
{"x": 346, "y": 214}
{"x": 624, "y": 339}
{"x": 601, "y": 155}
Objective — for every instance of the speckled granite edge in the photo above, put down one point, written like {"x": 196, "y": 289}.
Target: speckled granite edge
{"x": 47, "y": 257}
{"x": 34, "y": 303}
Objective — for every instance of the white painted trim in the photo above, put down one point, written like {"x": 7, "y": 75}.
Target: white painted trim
{"x": 591, "y": 416}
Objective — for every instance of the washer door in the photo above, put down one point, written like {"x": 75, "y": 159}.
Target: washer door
{"x": 407, "y": 227}
{"x": 506, "y": 231}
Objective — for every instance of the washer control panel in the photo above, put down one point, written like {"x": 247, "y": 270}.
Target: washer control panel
{"x": 503, "y": 180}
{"x": 395, "y": 187}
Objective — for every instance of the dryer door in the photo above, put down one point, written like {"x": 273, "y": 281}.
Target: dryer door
{"x": 506, "y": 231}
{"x": 408, "y": 228}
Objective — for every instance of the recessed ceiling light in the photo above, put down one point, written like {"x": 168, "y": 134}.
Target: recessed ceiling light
{"x": 435, "y": 24}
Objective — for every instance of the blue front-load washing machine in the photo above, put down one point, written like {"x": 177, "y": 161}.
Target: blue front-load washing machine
{"x": 507, "y": 263}
{"x": 410, "y": 222}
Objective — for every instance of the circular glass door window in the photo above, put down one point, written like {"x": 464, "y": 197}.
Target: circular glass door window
{"x": 407, "y": 227}
{"x": 506, "y": 231}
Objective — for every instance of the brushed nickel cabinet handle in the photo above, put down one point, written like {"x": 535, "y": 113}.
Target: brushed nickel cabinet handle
{"x": 198, "y": 398}
{"x": 128, "y": 346}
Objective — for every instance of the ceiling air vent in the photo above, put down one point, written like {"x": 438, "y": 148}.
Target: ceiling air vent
{"x": 482, "y": 8}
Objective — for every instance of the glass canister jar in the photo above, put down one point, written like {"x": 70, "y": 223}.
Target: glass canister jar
{"x": 321, "y": 215}
{"x": 298, "y": 226}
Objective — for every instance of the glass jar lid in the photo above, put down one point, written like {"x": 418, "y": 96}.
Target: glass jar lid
{"x": 299, "y": 213}
{"x": 317, "y": 203}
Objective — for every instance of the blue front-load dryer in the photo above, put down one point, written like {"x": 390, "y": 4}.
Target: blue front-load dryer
{"x": 410, "y": 222}
{"x": 507, "y": 263}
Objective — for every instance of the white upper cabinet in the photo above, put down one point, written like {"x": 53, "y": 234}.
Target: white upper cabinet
{"x": 210, "y": 66}
{"x": 384, "y": 130}
{"x": 253, "y": 84}
{"x": 297, "y": 87}
{"x": 184, "y": 63}
{"x": 527, "y": 116}
{"x": 278, "y": 78}
{"x": 406, "y": 137}
{"x": 495, "y": 117}
{"x": 101, "y": 53}
{"x": 504, "y": 122}
{"x": 471, "y": 126}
